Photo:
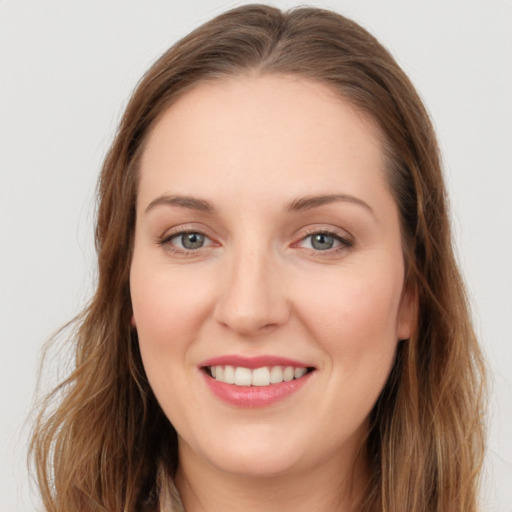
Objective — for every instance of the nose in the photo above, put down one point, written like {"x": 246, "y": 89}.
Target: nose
{"x": 252, "y": 296}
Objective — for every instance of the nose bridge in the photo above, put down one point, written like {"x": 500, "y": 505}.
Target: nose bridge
{"x": 252, "y": 296}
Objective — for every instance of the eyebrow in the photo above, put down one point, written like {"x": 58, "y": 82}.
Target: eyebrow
{"x": 297, "y": 205}
{"x": 309, "y": 202}
{"x": 191, "y": 203}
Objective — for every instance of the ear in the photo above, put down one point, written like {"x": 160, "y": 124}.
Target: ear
{"x": 132, "y": 322}
{"x": 408, "y": 312}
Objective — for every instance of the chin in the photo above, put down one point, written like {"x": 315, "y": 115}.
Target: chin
{"x": 262, "y": 464}
{"x": 256, "y": 454}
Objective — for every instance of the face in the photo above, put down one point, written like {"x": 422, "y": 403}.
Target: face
{"x": 267, "y": 274}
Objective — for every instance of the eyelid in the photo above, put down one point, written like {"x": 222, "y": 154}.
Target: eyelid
{"x": 345, "y": 239}
{"x": 178, "y": 229}
{"x": 165, "y": 240}
{"x": 180, "y": 234}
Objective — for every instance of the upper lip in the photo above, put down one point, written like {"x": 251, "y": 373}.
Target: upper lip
{"x": 254, "y": 362}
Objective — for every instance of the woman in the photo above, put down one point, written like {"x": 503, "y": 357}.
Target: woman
{"x": 279, "y": 321}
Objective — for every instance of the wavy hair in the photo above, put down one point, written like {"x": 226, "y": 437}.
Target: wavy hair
{"x": 101, "y": 441}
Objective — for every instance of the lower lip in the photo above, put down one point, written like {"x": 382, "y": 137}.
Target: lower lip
{"x": 255, "y": 396}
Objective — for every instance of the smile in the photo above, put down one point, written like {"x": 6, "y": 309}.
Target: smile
{"x": 250, "y": 382}
{"x": 263, "y": 376}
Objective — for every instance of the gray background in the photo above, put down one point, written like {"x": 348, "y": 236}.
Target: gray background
{"x": 67, "y": 69}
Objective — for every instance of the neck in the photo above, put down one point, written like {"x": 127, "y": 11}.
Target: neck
{"x": 333, "y": 487}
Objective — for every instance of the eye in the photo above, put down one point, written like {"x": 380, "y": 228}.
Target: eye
{"x": 324, "y": 241}
{"x": 188, "y": 241}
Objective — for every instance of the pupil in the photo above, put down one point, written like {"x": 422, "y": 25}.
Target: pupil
{"x": 192, "y": 240}
{"x": 322, "y": 241}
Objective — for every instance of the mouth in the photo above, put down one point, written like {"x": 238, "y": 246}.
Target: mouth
{"x": 259, "y": 377}
{"x": 255, "y": 382}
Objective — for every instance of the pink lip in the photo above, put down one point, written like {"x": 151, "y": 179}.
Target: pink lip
{"x": 253, "y": 396}
{"x": 253, "y": 362}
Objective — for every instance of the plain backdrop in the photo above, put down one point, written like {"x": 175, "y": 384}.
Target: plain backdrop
{"x": 67, "y": 68}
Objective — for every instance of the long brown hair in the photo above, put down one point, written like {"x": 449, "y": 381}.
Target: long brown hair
{"x": 106, "y": 443}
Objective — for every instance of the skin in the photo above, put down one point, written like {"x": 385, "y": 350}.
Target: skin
{"x": 251, "y": 147}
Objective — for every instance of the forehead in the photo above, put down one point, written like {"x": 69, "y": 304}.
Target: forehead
{"x": 246, "y": 130}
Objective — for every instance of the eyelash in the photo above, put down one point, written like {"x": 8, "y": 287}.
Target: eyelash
{"x": 166, "y": 242}
{"x": 344, "y": 243}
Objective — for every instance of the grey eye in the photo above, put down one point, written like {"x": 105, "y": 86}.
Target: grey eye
{"x": 192, "y": 241}
{"x": 186, "y": 242}
{"x": 322, "y": 241}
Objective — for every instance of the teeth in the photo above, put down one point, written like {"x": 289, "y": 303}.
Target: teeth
{"x": 243, "y": 376}
{"x": 263, "y": 376}
{"x": 276, "y": 375}
{"x": 299, "y": 372}
{"x": 229, "y": 375}
{"x": 288, "y": 374}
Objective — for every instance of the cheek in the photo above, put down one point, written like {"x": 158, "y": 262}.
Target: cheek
{"x": 353, "y": 316}
{"x": 169, "y": 310}
{"x": 168, "y": 307}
